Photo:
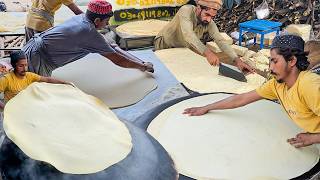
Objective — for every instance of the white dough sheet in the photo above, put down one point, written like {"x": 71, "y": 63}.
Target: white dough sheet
{"x": 141, "y": 28}
{"x": 114, "y": 85}
{"x": 198, "y": 75}
{"x": 244, "y": 143}
{"x": 61, "y": 125}
{"x": 15, "y": 21}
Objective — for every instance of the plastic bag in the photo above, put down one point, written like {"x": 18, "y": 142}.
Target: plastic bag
{"x": 3, "y": 6}
{"x": 262, "y": 10}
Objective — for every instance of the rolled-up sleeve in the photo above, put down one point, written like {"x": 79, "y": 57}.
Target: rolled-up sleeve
{"x": 218, "y": 39}
{"x": 267, "y": 90}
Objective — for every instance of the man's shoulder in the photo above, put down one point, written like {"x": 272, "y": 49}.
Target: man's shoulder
{"x": 308, "y": 82}
{"x": 75, "y": 24}
{"x": 187, "y": 8}
{"x": 8, "y": 75}
{"x": 308, "y": 77}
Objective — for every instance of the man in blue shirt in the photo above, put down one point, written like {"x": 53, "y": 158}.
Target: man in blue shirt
{"x": 76, "y": 38}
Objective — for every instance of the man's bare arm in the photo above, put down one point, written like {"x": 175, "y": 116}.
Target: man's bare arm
{"x": 228, "y": 103}
{"x": 75, "y": 9}
{"x": 126, "y": 62}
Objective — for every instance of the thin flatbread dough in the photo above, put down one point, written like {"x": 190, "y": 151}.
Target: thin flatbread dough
{"x": 11, "y": 23}
{"x": 242, "y": 143}
{"x": 196, "y": 73}
{"x": 114, "y": 85}
{"x": 61, "y": 125}
{"x": 141, "y": 28}
{"x": 15, "y": 21}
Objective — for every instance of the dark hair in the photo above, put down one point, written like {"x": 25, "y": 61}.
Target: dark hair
{"x": 92, "y": 16}
{"x": 15, "y": 56}
{"x": 288, "y": 53}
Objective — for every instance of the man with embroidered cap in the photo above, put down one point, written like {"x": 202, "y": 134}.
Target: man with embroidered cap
{"x": 192, "y": 27}
{"x": 76, "y": 38}
{"x": 297, "y": 90}
{"x": 41, "y": 15}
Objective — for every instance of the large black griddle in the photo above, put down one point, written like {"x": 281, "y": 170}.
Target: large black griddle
{"x": 147, "y": 161}
{"x": 144, "y": 121}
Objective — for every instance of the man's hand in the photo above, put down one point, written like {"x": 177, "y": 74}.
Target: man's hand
{"x": 148, "y": 66}
{"x": 212, "y": 58}
{"x": 304, "y": 139}
{"x": 1, "y": 106}
{"x": 196, "y": 111}
{"x": 244, "y": 67}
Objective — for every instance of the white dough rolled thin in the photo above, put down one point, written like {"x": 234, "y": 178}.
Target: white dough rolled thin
{"x": 61, "y": 125}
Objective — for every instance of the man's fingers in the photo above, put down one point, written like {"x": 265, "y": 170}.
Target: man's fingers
{"x": 187, "y": 111}
{"x": 296, "y": 142}
{"x": 300, "y": 144}
{"x": 291, "y": 140}
{"x": 217, "y": 62}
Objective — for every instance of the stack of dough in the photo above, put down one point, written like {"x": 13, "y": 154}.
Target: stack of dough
{"x": 141, "y": 28}
{"x": 196, "y": 73}
{"x": 302, "y": 30}
{"x": 61, "y": 125}
{"x": 11, "y": 23}
{"x": 259, "y": 60}
{"x": 240, "y": 143}
{"x": 265, "y": 52}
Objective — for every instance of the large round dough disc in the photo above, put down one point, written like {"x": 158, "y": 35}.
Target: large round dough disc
{"x": 61, "y": 125}
{"x": 141, "y": 28}
{"x": 196, "y": 73}
{"x": 241, "y": 143}
{"x": 114, "y": 85}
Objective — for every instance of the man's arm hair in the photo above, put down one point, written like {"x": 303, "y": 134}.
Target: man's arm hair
{"x": 235, "y": 101}
{"x": 52, "y": 80}
{"x": 73, "y": 7}
{"x": 123, "y": 61}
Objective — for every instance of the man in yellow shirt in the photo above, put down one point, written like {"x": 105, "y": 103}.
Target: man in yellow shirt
{"x": 17, "y": 80}
{"x": 41, "y": 15}
{"x": 297, "y": 90}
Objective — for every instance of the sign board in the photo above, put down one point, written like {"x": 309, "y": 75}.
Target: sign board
{"x": 126, "y": 10}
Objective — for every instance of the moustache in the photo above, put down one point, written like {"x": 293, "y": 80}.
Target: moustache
{"x": 205, "y": 22}
{"x": 273, "y": 73}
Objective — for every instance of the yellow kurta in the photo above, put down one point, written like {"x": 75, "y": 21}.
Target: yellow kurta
{"x": 11, "y": 85}
{"x": 185, "y": 30}
{"x": 301, "y": 101}
{"x": 39, "y": 23}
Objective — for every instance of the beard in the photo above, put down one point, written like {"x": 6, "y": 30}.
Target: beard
{"x": 22, "y": 73}
{"x": 204, "y": 23}
{"x": 279, "y": 80}
{"x": 275, "y": 76}
{"x": 284, "y": 73}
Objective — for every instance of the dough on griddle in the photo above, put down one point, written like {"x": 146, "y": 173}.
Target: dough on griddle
{"x": 114, "y": 85}
{"x": 61, "y": 125}
{"x": 243, "y": 143}
{"x": 196, "y": 73}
